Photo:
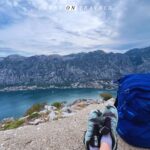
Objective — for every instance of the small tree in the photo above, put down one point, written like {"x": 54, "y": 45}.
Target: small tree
{"x": 106, "y": 96}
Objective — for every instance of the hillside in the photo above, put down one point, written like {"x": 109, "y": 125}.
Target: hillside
{"x": 65, "y": 134}
{"x": 74, "y": 69}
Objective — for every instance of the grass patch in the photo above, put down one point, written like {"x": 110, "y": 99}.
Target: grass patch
{"x": 13, "y": 124}
{"x": 106, "y": 96}
{"x": 58, "y": 105}
{"x": 35, "y": 108}
{"x": 33, "y": 116}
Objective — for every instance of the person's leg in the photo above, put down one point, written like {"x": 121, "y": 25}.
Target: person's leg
{"x": 106, "y": 142}
{"x": 104, "y": 146}
{"x": 106, "y": 139}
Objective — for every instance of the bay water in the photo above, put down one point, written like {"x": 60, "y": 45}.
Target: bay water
{"x": 15, "y": 104}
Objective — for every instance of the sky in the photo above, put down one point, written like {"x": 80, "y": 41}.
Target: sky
{"x": 35, "y": 27}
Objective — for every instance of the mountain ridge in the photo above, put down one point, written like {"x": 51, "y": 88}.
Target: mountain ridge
{"x": 43, "y": 70}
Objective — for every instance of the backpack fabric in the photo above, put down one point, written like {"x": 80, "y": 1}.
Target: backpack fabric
{"x": 134, "y": 109}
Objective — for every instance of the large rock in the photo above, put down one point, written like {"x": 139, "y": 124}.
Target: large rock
{"x": 36, "y": 122}
{"x": 66, "y": 109}
{"x": 50, "y": 108}
{"x": 52, "y": 115}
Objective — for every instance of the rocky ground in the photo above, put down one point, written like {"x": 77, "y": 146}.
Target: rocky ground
{"x": 62, "y": 134}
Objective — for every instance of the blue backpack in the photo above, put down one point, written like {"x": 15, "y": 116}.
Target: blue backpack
{"x": 133, "y": 105}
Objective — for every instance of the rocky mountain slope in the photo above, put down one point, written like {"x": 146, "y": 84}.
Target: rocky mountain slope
{"x": 75, "y": 68}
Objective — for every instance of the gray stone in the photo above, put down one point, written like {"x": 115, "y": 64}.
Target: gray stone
{"x": 52, "y": 115}
{"x": 66, "y": 109}
{"x": 50, "y": 108}
{"x": 35, "y": 122}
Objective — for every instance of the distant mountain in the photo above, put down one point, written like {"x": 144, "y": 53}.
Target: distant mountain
{"x": 75, "y": 68}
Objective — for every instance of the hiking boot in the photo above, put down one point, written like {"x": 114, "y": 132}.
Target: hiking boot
{"x": 110, "y": 115}
{"x": 91, "y": 136}
{"x": 101, "y": 123}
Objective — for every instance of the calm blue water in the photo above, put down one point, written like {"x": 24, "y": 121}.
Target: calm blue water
{"x": 14, "y": 104}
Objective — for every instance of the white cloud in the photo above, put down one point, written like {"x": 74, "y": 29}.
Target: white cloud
{"x": 46, "y": 27}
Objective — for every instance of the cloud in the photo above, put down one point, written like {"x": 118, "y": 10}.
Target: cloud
{"x": 35, "y": 27}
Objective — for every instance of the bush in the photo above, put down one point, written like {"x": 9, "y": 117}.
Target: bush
{"x": 106, "y": 96}
{"x": 13, "y": 124}
{"x": 35, "y": 108}
{"x": 33, "y": 115}
{"x": 58, "y": 105}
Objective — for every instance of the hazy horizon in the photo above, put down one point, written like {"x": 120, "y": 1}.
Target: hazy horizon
{"x": 121, "y": 52}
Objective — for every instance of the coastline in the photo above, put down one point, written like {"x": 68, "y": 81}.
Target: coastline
{"x": 35, "y": 87}
{"x": 68, "y": 108}
{"x": 25, "y": 99}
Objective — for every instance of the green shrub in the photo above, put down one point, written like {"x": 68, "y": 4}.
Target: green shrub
{"x": 13, "y": 124}
{"x": 58, "y": 105}
{"x": 106, "y": 96}
{"x": 33, "y": 115}
{"x": 35, "y": 108}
